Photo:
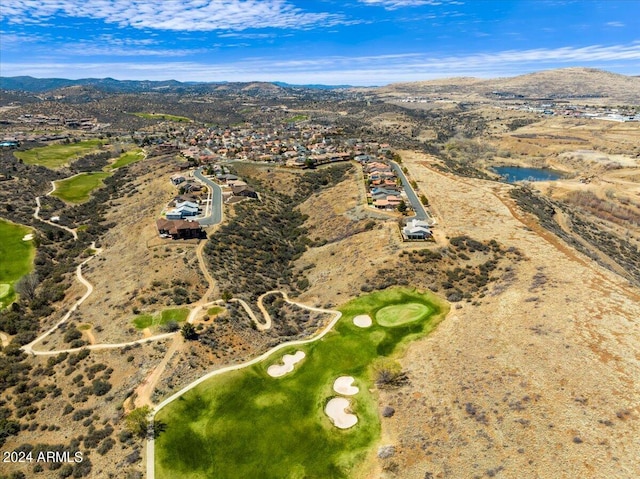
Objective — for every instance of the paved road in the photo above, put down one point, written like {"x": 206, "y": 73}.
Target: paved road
{"x": 215, "y": 205}
{"x": 421, "y": 213}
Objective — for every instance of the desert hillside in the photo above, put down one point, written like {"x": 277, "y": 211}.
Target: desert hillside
{"x": 565, "y": 83}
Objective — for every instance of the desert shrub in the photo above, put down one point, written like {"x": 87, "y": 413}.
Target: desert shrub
{"x": 100, "y": 387}
{"x": 387, "y": 372}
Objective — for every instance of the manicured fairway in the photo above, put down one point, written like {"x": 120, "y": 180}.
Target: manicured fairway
{"x": 162, "y": 116}
{"x": 246, "y": 423}
{"x": 55, "y": 156}
{"x": 16, "y": 258}
{"x": 147, "y": 320}
{"x": 77, "y": 189}
{"x": 398, "y": 314}
{"x": 127, "y": 158}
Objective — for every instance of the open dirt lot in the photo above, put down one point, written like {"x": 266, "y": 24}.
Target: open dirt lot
{"x": 540, "y": 380}
{"x": 573, "y": 144}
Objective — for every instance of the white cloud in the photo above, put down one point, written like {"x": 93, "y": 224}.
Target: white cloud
{"x": 615, "y": 24}
{"x": 365, "y": 70}
{"x": 395, "y": 4}
{"x": 174, "y": 15}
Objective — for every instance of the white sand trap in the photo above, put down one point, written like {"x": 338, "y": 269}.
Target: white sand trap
{"x": 362, "y": 321}
{"x": 343, "y": 385}
{"x": 337, "y": 409}
{"x": 289, "y": 361}
{"x": 28, "y": 237}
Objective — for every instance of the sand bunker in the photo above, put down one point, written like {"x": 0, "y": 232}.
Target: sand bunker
{"x": 337, "y": 409}
{"x": 343, "y": 385}
{"x": 289, "y": 361}
{"x": 28, "y": 237}
{"x": 362, "y": 321}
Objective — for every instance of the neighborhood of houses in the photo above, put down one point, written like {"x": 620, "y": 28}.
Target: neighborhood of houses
{"x": 183, "y": 215}
{"x": 296, "y": 146}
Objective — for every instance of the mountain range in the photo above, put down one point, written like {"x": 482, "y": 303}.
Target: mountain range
{"x": 566, "y": 83}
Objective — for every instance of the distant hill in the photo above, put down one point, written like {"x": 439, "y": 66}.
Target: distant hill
{"x": 110, "y": 85}
{"x": 586, "y": 84}
{"x": 41, "y": 85}
{"x": 312, "y": 86}
{"x": 565, "y": 83}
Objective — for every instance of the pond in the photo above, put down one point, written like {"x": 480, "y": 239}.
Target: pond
{"x": 512, "y": 174}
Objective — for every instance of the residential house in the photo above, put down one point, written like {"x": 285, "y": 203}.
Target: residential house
{"x": 183, "y": 210}
{"x": 379, "y": 191}
{"x": 416, "y": 230}
{"x": 177, "y": 179}
{"x": 245, "y": 191}
{"x": 382, "y": 204}
{"x": 236, "y": 183}
{"x": 185, "y": 197}
{"x": 227, "y": 177}
{"x": 179, "y": 229}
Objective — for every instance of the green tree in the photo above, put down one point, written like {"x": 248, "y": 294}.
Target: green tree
{"x": 189, "y": 331}
{"x": 137, "y": 421}
{"x": 402, "y": 207}
{"x": 424, "y": 200}
{"x": 226, "y": 296}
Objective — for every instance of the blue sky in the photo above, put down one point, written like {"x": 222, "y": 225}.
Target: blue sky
{"x": 357, "y": 42}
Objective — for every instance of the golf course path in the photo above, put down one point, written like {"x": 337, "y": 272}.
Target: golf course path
{"x": 217, "y": 372}
{"x": 28, "y": 348}
{"x": 36, "y": 214}
{"x": 142, "y": 394}
{"x": 252, "y": 315}
{"x": 205, "y": 271}
{"x": 267, "y": 317}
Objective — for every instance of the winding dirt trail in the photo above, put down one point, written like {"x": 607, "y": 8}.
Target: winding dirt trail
{"x": 36, "y": 214}
{"x": 143, "y": 393}
{"x": 28, "y": 348}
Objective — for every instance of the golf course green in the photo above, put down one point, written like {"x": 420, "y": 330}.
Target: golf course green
{"x": 399, "y": 314}
{"x": 245, "y": 423}
{"x": 16, "y": 258}
{"x": 78, "y": 188}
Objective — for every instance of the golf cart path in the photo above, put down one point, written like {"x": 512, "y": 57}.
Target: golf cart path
{"x": 36, "y": 214}
{"x": 28, "y": 348}
{"x": 217, "y": 372}
{"x": 142, "y": 394}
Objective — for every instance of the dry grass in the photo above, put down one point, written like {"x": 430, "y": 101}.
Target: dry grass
{"x": 499, "y": 389}
{"x": 144, "y": 273}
